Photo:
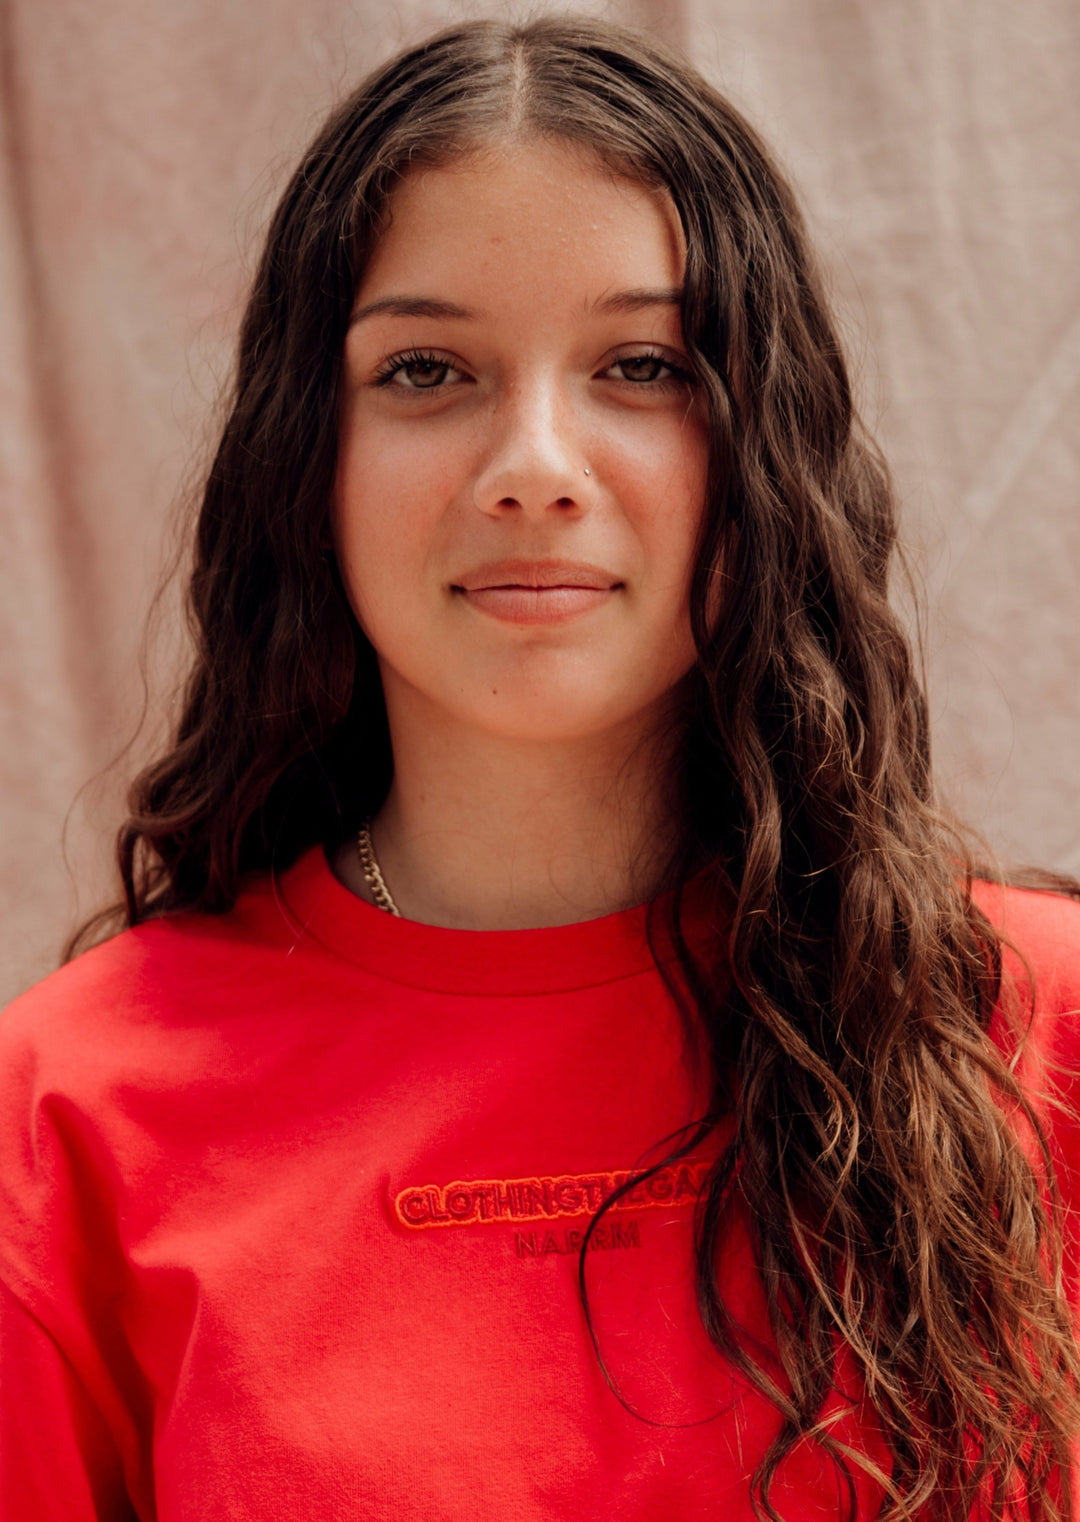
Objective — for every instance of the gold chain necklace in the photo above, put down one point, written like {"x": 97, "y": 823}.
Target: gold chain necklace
{"x": 370, "y": 868}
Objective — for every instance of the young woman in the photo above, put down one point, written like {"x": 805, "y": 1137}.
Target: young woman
{"x": 559, "y": 1063}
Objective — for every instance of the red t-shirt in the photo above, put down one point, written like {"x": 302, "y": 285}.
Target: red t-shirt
{"x": 290, "y": 1203}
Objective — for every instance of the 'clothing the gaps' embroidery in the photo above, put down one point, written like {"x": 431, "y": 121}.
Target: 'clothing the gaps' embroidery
{"x": 542, "y": 1199}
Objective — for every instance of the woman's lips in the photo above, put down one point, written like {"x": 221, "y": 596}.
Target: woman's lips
{"x": 537, "y": 591}
{"x": 536, "y": 605}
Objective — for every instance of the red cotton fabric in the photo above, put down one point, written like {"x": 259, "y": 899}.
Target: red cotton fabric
{"x": 290, "y": 1204}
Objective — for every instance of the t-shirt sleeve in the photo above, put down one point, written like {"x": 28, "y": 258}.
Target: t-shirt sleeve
{"x": 67, "y": 1383}
{"x": 58, "y": 1462}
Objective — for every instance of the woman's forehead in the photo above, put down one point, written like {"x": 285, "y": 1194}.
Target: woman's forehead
{"x": 523, "y": 218}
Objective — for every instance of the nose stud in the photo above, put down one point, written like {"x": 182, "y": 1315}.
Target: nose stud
{"x": 588, "y": 472}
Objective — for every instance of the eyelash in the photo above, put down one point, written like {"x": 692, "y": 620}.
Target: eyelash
{"x": 675, "y": 375}
{"x": 397, "y": 362}
{"x": 390, "y": 367}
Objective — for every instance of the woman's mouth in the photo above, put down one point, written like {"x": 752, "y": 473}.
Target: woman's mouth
{"x": 537, "y": 591}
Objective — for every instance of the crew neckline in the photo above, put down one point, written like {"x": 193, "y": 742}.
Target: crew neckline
{"x": 551, "y": 959}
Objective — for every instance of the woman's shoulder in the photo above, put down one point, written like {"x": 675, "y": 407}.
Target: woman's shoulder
{"x": 1045, "y": 913}
{"x": 1040, "y": 933}
{"x": 133, "y": 1044}
{"x": 1038, "y": 1020}
{"x": 128, "y": 993}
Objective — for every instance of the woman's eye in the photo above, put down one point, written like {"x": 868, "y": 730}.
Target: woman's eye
{"x": 418, "y": 372}
{"x": 645, "y": 368}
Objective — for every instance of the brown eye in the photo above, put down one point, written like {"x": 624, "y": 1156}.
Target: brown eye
{"x": 642, "y": 367}
{"x": 418, "y": 371}
{"x": 422, "y": 374}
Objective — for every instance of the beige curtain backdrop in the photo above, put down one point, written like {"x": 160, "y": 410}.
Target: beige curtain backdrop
{"x": 937, "y": 146}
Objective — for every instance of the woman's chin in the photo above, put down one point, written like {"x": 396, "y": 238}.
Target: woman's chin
{"x": 545, "y": 698}
{"x": 553, "y": 717}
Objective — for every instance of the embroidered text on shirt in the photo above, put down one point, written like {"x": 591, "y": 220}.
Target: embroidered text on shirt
{"x": 541, "y": 1244}
{"x": 540, "y": 1199}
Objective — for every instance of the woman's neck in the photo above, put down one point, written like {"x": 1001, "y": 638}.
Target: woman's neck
{"x": 480, "y": 832}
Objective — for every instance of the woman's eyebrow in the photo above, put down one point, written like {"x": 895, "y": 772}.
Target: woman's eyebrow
{"x": 412, "y": 306}
{"x": 635, "y": 300}
{"x": 434, "y": 306}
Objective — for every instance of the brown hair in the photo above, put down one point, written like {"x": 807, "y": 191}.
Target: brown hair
{"x": 846, "y": 1007}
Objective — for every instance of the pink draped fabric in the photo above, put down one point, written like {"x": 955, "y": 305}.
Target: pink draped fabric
{"x": 142, "y": 145}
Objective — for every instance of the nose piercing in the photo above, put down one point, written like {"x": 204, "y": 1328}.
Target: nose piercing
{"x": 588, "y": 472}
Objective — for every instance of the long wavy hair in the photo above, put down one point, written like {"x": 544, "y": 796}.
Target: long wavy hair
{"x": 845, "y": 1008}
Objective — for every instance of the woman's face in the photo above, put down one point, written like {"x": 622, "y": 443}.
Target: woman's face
{"x": 523, "y": 456}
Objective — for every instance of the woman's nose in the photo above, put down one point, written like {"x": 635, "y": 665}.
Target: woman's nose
{"x": 533, "y": 461}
